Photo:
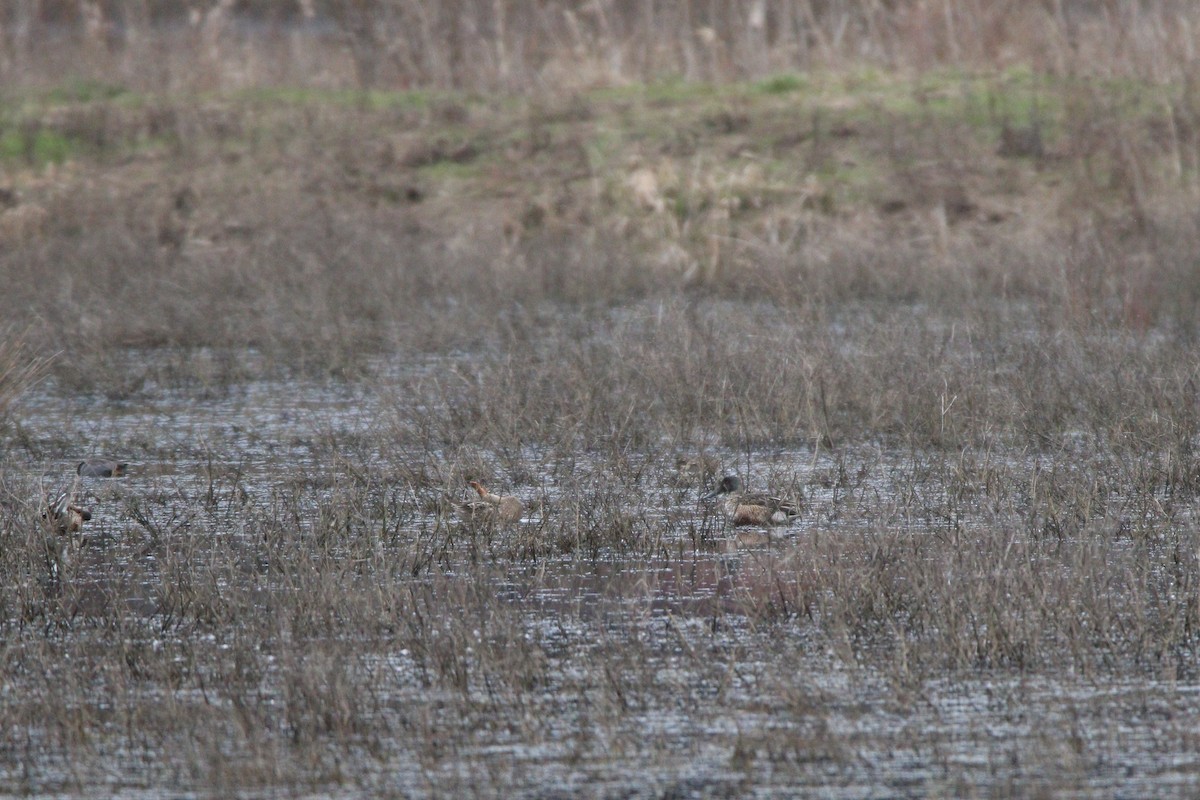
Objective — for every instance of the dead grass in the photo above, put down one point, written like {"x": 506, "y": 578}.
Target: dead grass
{"x": 311, "y": 233}
{"x": 567, "y": 45}
{"x": 20, "y": 369}
{"x": 951, "y": 306}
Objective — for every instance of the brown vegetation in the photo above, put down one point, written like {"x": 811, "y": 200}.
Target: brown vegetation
{"x": 929, "y": 266}
{"x": 20, "y": 369}
{"x": 509, "y": 45}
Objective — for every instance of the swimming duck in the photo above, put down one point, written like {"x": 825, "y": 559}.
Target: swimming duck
{"x": 101, "y": 468}
{"x": 501, "y": 508}
{"x": 752, "y": 509}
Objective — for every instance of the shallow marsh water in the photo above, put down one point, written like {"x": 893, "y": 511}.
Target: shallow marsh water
{"x": 277, "y": 599}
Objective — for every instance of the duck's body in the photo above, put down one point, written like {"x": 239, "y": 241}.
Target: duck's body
{"x": 500, "y": 508}
{"x": 101, "y": 468}
{"x": 63, "y": 515}
{"x": 752, "y": 509}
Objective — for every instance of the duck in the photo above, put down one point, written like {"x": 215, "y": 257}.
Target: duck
{"x": 492, "y": 506}
{"x": 101, "y": 468}
{"x": 64, "y": 515}
{"x": 752, "y": 509}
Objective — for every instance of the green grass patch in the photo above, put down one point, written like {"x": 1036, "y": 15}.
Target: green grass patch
{"x": 37, "y": 148}
{"x": 50, "y": 147}
{"x": 12, "y": 146}
{"x": 668, "y": 91}
{"x": 782, "y": 84}
{"x": 370, "y": 100}
{"x": 447, "y": 169}
{"x": 82, "y": 90}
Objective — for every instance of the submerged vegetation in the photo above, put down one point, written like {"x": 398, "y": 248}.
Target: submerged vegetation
{"x": 931, "y": 277}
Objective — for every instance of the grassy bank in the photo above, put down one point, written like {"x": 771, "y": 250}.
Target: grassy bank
{"x": 314, "y": 228}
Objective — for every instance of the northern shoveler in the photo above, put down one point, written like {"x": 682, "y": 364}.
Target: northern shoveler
{"x": 64, "y": 515}
{"x": 101, "y": 468}
{"x": 500, "y": 508}
{"x": 752, "y": 509}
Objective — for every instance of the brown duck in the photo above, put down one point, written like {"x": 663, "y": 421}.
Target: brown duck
{"x": 501, "y": 508}
{"x": 64, "y": 515}
{"x": 752, "y": 509}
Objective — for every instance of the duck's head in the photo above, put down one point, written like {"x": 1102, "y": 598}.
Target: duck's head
{"x": 728, "y": 485}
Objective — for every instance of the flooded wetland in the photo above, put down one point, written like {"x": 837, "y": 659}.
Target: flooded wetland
{"x": 424, "y": 395}
{"x": 281, "y": 592}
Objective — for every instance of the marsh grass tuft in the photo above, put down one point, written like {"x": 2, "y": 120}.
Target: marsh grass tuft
{"x": 20, "y": 370}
